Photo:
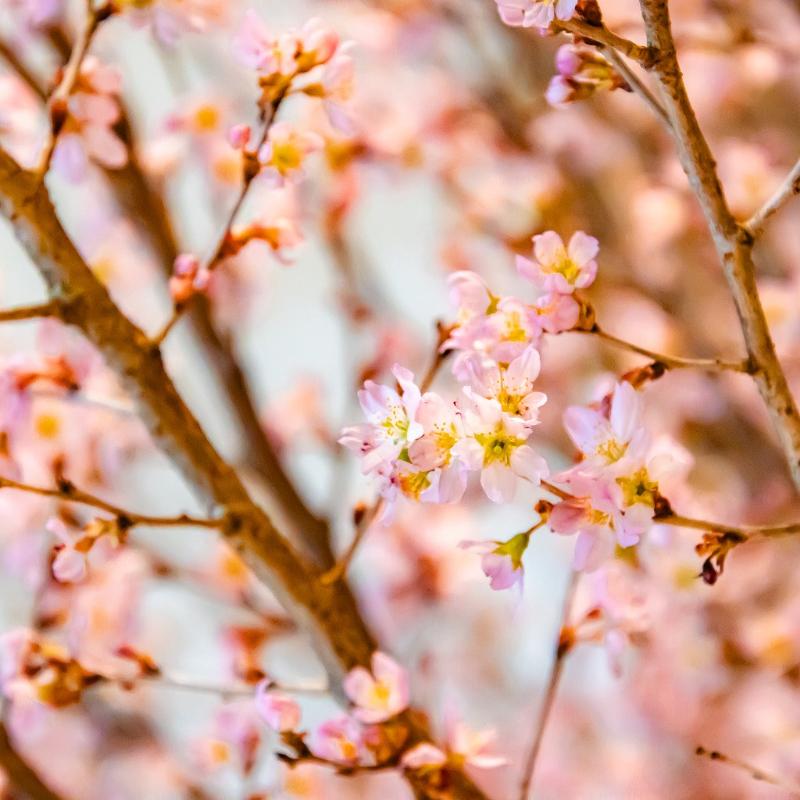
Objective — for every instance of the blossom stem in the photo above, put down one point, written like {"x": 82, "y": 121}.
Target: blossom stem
{"x": 599, "y": 33}
{"x": 179, "y": 682}
{"x": 339, "y": 569}
{"x": 745, "y": 531}
{"x": 565, "y": 642}
{"x": 671, "y": 362}
{"x": 49, "y": 309}
{"x": 57, "y": 102}
{"x": 789, "y": 188}
{"x": 553, "y": 489}
{"x": 218, "y": 253}
{"x": 754, "y": 772}
{"x": 635, "y": 83}
{"x": 67, "y": 492}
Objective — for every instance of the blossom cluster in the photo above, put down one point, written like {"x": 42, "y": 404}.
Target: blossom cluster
{"x": 423, "y": 447}
{"x": 365, "y": 737}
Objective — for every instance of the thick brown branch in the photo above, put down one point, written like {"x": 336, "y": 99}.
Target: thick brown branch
{"x": 327, "y": 612}
{"x": 734, "y": 244}
{"x": 20, "y": 775}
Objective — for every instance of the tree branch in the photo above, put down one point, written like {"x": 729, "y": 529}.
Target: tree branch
{"x": 784, "y": 193}
{"x": 69, "y": 493}
{"x": 734, "y": 244}
{"x": 602, "y": 35}
{"x": 50, "y": 309}
{"x": 20, "y": 775}
{"x": 327, "y": 612}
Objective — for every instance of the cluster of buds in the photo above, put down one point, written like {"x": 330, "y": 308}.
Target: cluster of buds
{"x": 71, "y": 561}
{"x": 43, "y": 670}
{"x": 189, "y": 277}
{"x": 716, "y": 546}
{"x": 582, "y": 72}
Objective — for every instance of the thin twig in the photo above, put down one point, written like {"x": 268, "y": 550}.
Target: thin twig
{"x": 57, "y": 103}
{"x": 635, "y": 83}
{"x": 789, "y": 188}
{"x": 50, "y": 309}
{"x": 745, "y": 531}
{"x": 68, "y": 493}
{"x": 179, "y": 682}
{"x": 671, "y": 362}
{"x": 754, "y": 772}
{"x": 565, "y": 642}
{"x": 599, "y": 33}
{"x": 219, "y": 251}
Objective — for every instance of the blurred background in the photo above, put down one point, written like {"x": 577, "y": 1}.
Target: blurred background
{"x": 456, "y": 161}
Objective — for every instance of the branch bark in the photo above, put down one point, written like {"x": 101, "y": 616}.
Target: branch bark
{"x": 328, "y": 613}
{"x": 20, "y": 774}
{"x": 733, "y": 243}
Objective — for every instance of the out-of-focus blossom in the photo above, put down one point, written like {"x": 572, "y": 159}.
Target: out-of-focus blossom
{"x": 37, "y": 13}
{"x": 556, "y": 268}
{"x": 87, "y": 131}
{"x": 339, "y": 740}
{"x": 534, "y": 13}
{"x": 285, "y": 151}
{"x": 422, "y": 756}
{"x": 379, "y": 694}
{"x": 501, "y": 562}
{"x": 71, "y": 564}
{"x": 582, "y": 72}
{"x": 278, "y": 710}
{"x": 169, "y": 19}
{"x": 189, "y": 277}
{"x": 472, "y": 747}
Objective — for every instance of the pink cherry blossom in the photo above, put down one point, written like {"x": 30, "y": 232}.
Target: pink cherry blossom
{"x": 422, "y": 756}
{"x": 339, "y": 740}
{"x": 501, "y": 562}
{"x": 496, "y": 445}
{"x": 189, "y": 277}
{"x": 278, "y": 710}
{"x": 284, "y": 153}
{"x": 169, "y": 19}
{"x": 534, "y": 13}
{"x": 473, "y": 746}
{"x": 87, "y": 133}
{"x": 380, "y": 694}
{"x": 556, "y": 268}
{"x": 392, "y": 424}
{"x": 511, "y": 387}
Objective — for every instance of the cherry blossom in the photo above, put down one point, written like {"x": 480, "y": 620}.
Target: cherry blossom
{"x": 277, "y": 709}
{"x": 496, "y": 445}
{"x": 87, "y": 132}
{"x": 534, "y": 13}
{"x": 501, "y": 562}
{"x": 380, "y": 694}
{"x": 556, "y": 268}
{"x": 339, "y": 740}
{"x": 285, "y": 152}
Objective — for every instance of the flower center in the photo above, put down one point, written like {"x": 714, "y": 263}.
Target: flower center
{"x": 639, "y": 488}
{"x": 611, "y": 450}
{"x": 498, "y": 446}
